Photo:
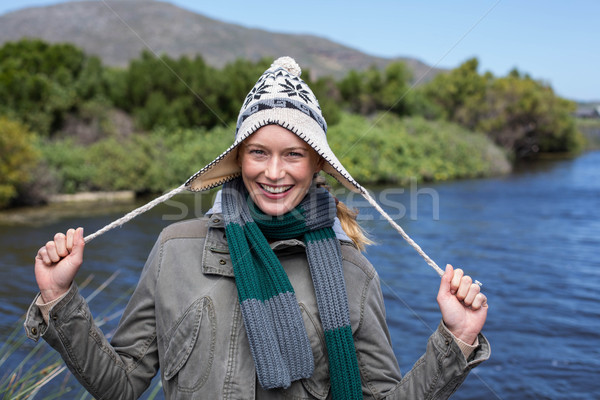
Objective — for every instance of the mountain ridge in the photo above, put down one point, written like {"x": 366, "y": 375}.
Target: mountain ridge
{"x": 121, "y": 30}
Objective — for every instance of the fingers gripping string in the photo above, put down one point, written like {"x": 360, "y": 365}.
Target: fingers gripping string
{"x": 138, "y": 211}
{"x": 399, "y": 229}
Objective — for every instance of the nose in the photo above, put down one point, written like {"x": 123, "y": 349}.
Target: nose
{"x": 275, "y": 169}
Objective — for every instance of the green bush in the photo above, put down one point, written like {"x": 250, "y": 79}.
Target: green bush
{"x": 142, "y": 162}
{"x": 387, "y": 149}
{"x": 137, "y": 164}
{"x": 372, "y": 90}
{"x": 48, "y": 86}
{"x": 191, "y": 149}
{"x": 520, "y": 114}
{"x": 68, "y": 161}
{"x": 40, "y": 83}
{"x": 18, "y": 158}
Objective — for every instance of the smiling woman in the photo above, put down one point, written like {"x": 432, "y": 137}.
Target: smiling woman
{"x": 277, "y": 168}
{"x": 252, "y": 301}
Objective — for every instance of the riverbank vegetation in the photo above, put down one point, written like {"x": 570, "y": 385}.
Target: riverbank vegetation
{"x": 590, "y": 128}
{"x": 70, "y": 124}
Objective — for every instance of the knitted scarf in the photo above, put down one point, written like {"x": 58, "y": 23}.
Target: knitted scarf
{"x": 278, "y": 340}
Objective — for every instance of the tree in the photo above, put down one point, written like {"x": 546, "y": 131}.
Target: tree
{"x": 326, "y": 90}
{"x": 91, "y": 82}
{"x": 370, "y": 91}
{"x": 459, "y": 93}
{"x": 394, "y": 94}
{"x": 233, "y": 83}
{"x": 522, "y": 115}
{"x": 184, "y": 92}
{"x": 18, "y": 158}
{"x": 39, "y": 82}
{"x": 353, "y": 93}
{"x": 526, "y": 116}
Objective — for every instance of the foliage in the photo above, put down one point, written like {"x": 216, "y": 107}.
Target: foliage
{"x": 68, "y": 161}
{"x": 109, "y": 164}
{"x": 392, "y": 96}
{"x": 143, "y": 162}
{"x": 329, "y": 96}
{"x": 186, "y": 112}
{"x": 18, "y": 158}
{"x": 458, "y": 93}
{"x": 519, "y": 113}
{"x": 389, "y": 90}
{"x": 40, "y": 83}
{"x": 186, "y": 93}
{"x": 590, "y": 129}
{"x": 232, "y": 85}
{"x": 388, "y": 149}
{"x": 141, "y": 166}
{"x": 526, "y": 116}
{"x": 191, "y": 149}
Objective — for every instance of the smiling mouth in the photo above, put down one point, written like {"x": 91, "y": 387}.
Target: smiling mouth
{"x": 275, "y": 189}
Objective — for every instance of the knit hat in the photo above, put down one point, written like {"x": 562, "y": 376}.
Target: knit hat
{"x": 281, "y": 98}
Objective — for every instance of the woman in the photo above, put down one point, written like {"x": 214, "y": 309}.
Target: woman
{"x": 267, "y": 296}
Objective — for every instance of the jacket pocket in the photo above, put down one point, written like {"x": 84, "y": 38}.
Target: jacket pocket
{"x": 190, "y": 353}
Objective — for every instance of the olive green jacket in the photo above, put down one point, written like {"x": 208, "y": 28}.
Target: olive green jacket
{"x": 184, "y": 316}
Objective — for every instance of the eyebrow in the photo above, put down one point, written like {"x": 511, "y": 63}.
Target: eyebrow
{"x": 291, "y": 148}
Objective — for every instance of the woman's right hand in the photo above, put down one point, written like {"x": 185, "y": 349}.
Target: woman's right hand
{"x": 57, "y": 263}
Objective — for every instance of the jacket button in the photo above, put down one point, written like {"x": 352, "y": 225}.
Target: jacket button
{"x": 222, "y": 262}
{"x": 34, "y": 331}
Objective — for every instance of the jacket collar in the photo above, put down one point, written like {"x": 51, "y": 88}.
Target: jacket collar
{"x": 216, "y": 259}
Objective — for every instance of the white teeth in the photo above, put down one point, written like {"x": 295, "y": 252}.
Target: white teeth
{"x": 275, "y": 190}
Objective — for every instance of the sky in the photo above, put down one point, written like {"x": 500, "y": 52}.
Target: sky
{"x": 553, "y": 41}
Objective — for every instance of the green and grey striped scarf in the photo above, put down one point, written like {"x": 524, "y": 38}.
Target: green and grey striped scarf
{"x": 278, "y": 339}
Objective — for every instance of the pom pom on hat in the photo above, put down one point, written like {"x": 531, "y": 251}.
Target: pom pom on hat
{"x": 279, "y": 97}
{"x": 289, "y": 64}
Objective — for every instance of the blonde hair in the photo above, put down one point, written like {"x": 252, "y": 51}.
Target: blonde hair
{"x": 347, "y": 217}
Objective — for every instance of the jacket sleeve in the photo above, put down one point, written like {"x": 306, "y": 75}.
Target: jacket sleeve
{"x": 121, "y": 369}
{"x": 436, "y": 375}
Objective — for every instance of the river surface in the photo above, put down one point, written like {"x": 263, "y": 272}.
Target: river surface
{"x": 532, "y": 238}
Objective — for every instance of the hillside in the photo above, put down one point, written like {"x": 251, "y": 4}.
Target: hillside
{"x": 117, "y": 31}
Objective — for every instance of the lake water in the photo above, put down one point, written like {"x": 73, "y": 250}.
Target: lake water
{"x": 532, "y": 238}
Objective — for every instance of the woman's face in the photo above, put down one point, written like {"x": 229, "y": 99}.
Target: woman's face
{"x": 277, "y": 168}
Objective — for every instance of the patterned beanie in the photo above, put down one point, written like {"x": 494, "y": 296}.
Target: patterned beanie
{"x": 281, "y": 98}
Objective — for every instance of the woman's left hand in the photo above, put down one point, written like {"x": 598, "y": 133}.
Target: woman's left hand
{"x": 464, "y": 308}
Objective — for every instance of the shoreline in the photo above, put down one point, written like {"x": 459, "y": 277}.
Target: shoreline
{"x": 121, "y": 195}
{"x": 69, "y": 205}
{"x": 62, "y": 206}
